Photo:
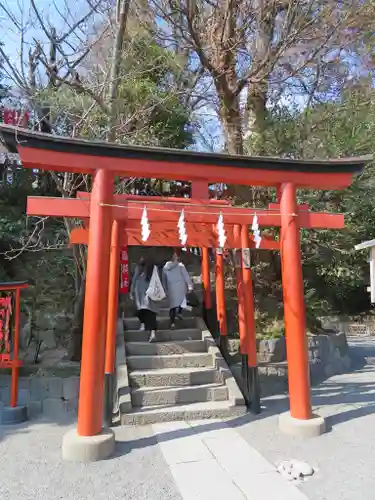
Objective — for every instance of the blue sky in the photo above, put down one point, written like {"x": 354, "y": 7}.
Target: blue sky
{"x": 56, "y": 13}
{"x": 209, "y": 137}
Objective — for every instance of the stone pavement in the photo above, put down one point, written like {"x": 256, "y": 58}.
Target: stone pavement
{"x": 204, "y": 460}
{"x": 211, "y": 461}
{"x": 200, "y": 460}
{"x": 343, "y": 457}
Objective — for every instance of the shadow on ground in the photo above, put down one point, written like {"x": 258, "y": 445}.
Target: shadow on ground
{"x": 24, "y": 428}
{"x": 329, "y": 393}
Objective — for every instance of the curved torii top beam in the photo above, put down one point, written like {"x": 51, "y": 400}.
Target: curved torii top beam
{"x": 48, "y": 152}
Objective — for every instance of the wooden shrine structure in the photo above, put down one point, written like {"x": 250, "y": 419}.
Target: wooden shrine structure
{"x": 107, "y": 218}
{"x": 10, "y": 309}
{"x": 370, "y": 247}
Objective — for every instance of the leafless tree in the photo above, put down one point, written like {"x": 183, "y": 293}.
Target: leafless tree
{"x": 47, "y": 61}
{"x": 70, "y": 69}
{"x": 254, "y": 50}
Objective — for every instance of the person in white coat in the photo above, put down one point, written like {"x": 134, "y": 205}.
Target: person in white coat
{"x": 177, "y": 284}
{"x": 147, "y": 308}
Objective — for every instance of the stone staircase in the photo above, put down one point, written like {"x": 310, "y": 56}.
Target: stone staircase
{"x": 181, "y": 376}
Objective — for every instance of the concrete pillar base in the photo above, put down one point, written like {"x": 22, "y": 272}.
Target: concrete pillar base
{"x": 313, "y": 427}
{"x": 77, "y": 448}
{"x": 13, "y": 415}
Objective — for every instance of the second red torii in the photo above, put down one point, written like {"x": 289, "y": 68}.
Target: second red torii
{"x": 198, "y": 211}
{"x": 163, "y": 214}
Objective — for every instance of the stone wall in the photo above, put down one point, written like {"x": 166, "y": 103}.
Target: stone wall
{"x": 53, "y": 328}
{"x": 51, "y": 396}
{"x": 328, "y": 355}
{"x": 350, "y": 325}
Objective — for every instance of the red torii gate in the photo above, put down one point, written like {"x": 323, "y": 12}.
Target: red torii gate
{"x": 104, "y": 161}
{"x": 201, "y": 234}
{"x": 127, "y": 231}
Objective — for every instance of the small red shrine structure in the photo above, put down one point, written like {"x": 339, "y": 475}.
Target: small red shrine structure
{"x": 10, "y": 307}
{"x": 107, "y": 218}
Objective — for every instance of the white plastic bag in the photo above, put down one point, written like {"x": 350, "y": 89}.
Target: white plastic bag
{"x": 186, "y": 306}
{"x": 155, "y": 290}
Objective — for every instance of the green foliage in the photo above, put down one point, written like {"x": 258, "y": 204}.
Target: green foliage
{"x": 49, "y": 272}
{"x": 335, "y": 275}
{"x": 149, "y": 112}
{"x": 271, "y": 329}
{"x": 149, "y": 108}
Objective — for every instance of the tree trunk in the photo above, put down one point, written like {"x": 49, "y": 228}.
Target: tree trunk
{"x": 255, "y": 118}
{"x": 230, "y": 117}
{"x": 256, "y": 111}
{"x": 231, "y": 121}
{"x": 122, "y": 19}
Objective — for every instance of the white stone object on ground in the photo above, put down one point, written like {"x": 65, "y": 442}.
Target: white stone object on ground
{"x": 303, "y": 467}
{"x": 294, "y": 470}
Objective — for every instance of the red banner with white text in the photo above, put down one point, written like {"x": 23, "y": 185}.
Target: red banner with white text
{"x": 124, "y": 270}
{"x": 14, "y": 117}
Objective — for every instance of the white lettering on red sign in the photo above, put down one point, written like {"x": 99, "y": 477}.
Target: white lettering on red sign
{"x": 124, "y": 270}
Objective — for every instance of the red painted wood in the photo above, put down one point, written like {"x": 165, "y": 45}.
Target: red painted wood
{"x": 294, "y": 308}
{"x": 79, "y": 163}
{"x": 170, "y": 212}
{"x": 115, "y": 259}
{"x": 91, "y": 393}
{"x": 160, "y": 236}
{"x": 199, "y": 189}
{"x": 121, "y": 198}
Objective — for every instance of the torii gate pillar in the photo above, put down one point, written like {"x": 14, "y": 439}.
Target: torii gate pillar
{"x": 76, "y": 444}
{"x": 300, "y": 421}
{"x": 199, "y": 190}
{"x": 110, "y": 347}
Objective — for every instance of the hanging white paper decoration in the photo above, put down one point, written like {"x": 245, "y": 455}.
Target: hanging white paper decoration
{"x": 221, "y": 231}
{"x": 256, "y": 231}
{"x": 145, "y": 225}
{"x": 182, "y": 229}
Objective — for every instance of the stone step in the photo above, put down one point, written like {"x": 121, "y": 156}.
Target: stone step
{"x": 152, "y": 396}
{"x": 162, "y": 348}
{"x": 173, "y": 377}
{"x": 163, "y": 323}
{"x": 194, "y": 411}
{"x": 164, "y": 313}
{"x": 164, "y": 335}
{"x": 170, "y": 361}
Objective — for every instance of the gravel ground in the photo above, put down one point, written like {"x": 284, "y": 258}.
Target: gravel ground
{"x": 32, "y": 469}
{"x": 342, "y": 458}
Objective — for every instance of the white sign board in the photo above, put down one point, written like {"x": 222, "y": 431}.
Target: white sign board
{"x": 372, "y": 274}
{"x": 370, "y": 245}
